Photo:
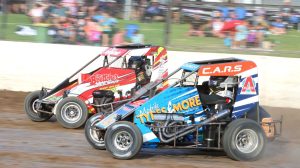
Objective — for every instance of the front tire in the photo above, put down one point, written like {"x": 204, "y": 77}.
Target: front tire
{"x": 95, "y": 137}
{"x": 71, "y": 112}
{"x": 244, "y": 140}
{"x": 123, "y": 140}
{"x": 30, "y": 105}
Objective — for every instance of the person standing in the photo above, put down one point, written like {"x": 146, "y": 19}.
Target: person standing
{"x": 137, "y": 38}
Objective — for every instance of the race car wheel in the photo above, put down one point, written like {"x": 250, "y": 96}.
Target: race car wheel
{"x": 30, "y": 106}
{"x": 71, "y": 112}
{"x": 94, "y": 136}
{"x": 123, "y": 140}
{"x": 244, "y": 140}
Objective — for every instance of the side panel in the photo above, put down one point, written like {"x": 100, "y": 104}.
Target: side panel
{"x": 159, "y": 68}
{"x": 183, "y": 100}
{"x": 114, "y": 79}
{"x": 247, "y": 94}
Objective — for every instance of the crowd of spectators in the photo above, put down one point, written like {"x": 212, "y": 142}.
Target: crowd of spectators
{"x": 95, "y": 22}
{"x": 75, "y": 22}
{"x": 239, "y": 30}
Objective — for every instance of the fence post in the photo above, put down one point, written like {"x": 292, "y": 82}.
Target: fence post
{"x": 127, "y": 9}
{"x": 168, "y": 23}
{"x": 3, "y": 20}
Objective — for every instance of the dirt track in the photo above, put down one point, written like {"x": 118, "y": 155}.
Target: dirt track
{"x": 24, "y": 143}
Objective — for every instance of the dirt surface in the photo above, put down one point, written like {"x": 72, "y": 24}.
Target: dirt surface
{"x": 24, "y": 143}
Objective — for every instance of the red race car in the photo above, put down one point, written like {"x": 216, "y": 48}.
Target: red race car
{"x": 94, "y": 89}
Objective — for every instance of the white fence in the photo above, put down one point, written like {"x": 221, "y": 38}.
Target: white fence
{"x": 29, "y": 66}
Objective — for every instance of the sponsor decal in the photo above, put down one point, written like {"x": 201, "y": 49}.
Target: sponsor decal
{"x": 103, "y": 78}
{"x": 221, "y": 69}
{"x": 248, "y": 86}
{"x": 225, "y": 69}
{"x": 115, "y": 52}
{"x": 190, "y": 67}
{"x": 146, "y": 114}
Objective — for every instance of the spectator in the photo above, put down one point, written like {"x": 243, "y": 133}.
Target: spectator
{"x": 108, "y": 24}
{"x": 152, "y": 11}
{"x": 287, "y": 2}
{"x": 217, "y": 25}
{"x": 195, "y": 27}
{"x": 37, "y": 13}
{"x": 82, "y": 12}
{"x": 240, "y": 36}
{"x": 80, "y": 36}
{"x": 60, "y": 12}
{"x": 137, "y": 38}
{"x": 278, "y": 27}
{"x": 232, "y": 16}
{"x": 71, "y": 6}
{"x": 92, "y": 31}
{"x": 118, "y": 38}
{"x": 228, "y": 40}
{"x": 98, "y": 16}
{"x": 294, "y": 20}
{"x": 61, "y": 35}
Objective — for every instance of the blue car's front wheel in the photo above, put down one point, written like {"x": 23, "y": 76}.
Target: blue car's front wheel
{"x": 123, "y": 140}
{"x": 95, "y": 136}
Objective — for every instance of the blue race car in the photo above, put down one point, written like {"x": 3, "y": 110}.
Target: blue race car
{"x": 211, "y": 105}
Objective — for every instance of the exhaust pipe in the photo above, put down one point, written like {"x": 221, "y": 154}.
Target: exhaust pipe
{"x": 167, "y": 117}
{"x": 191, "y": 129}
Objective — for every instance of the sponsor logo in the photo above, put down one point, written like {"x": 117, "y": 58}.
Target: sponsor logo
{"x": 104, "y": 79}
{"x": 146, "y": 114}
{"x": 115, "y": 52}
{"x": 248, "y": 86}
{"x": 190, "y": 66}
{"x": 222, "y": 69}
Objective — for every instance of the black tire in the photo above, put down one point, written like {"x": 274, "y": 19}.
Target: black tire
{"x": 238, "y": 129}
{"x": 29, "y": 108}
{"x": 71, "y": 112}
{"x": 93, "y": 136}
{"x": 118, "y": 136}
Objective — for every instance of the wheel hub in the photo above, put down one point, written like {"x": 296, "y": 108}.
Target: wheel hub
{"x": 123, "y": 140}
{"x": 71, "y": 112}
{"x": 246, "y": 141}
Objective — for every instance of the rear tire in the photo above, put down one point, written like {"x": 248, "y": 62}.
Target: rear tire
{"x": 244, "y": 140}
{"x": 93, "y": 136}
{"x": 29, "y": 108}
{"x": 123, "y": 140}
{"x": 71, "y": 112}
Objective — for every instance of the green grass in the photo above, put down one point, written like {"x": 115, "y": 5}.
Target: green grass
{"x": 285, "y": 45}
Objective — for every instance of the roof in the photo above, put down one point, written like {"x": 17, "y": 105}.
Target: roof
{"x": 119, "y": 51}
{"x": 134, "y": 46}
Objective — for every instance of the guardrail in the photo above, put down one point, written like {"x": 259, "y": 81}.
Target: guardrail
{"x": 29, "y": 66}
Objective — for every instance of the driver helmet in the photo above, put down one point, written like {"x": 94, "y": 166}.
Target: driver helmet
{"x": 135, "y": 62}
{"x": 215, "y": 81}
